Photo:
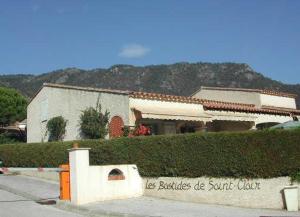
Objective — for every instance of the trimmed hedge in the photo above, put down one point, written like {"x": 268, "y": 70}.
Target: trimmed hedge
{"x": 245, "y": 154}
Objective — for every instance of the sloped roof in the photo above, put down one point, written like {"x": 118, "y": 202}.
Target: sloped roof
{"x": 207, "y": 104}
{"x": 213, "y": 104}
{"x": 86, "y": 88}
{"x": 250, "y": 108}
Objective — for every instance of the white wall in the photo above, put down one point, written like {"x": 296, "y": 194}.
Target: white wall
{"x": 277, "y": 101}
{"x": 91, "y": 184}
{"x": 258, "y": 99}
{"x": 230, "y": 96}
{"x": 252, "y": 193}
{"x": 269, "y": 194}
{"x": 70, "y": 103}
{"x": 36, "y": 127}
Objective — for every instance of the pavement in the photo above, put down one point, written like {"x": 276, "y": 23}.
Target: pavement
{"x": 18, "y": 193}
{"x": 12, "y": 205}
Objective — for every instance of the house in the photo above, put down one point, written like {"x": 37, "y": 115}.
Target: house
{"x": 209, "y": 109}
{"x": 266, "y": 107}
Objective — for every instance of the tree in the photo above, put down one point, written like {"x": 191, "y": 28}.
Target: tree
{"x": 93, "y": 123}
{"x": 56, "y": 127}
{"x": 12, "y": 106}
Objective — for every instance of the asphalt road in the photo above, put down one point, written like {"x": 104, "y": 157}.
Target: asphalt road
{"x": 12, "y": 205}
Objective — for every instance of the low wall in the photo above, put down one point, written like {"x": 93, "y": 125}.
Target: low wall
{"x": 252, "y": 193}
{"x": 97, "y": 183}
{"x": 100, "y": 188}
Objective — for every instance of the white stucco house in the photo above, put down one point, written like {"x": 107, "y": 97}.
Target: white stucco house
{"x": 208, "y": 109}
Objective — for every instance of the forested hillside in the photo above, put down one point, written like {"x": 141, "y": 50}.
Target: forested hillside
{"x": 178, "y": 79}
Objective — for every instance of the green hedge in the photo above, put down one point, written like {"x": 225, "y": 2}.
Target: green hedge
{"x": 248, "y": 154}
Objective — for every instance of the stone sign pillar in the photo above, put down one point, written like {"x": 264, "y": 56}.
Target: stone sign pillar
{"x": 79, "y": 171}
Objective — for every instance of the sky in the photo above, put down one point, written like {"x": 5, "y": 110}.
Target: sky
{"x": 38, "y": 36}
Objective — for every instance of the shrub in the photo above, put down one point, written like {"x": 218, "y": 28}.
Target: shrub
{"x": 249, "y": 154}
{"x": 6, "y": 138}
{"x": 13, "y": 106}
{"x": 56, "y": 128}
{"x": 93, "y": 123}
{"x": 295, "y": 177}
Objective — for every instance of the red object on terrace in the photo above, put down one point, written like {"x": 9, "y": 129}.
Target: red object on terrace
{"x": 142, "y": 131}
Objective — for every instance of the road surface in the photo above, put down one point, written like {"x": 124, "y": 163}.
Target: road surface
{"x": 12, "y": 205}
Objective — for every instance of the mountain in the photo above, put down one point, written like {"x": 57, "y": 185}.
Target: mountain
{"x": 178, "y": 79}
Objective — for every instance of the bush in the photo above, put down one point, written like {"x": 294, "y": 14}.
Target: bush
{"x": 56, "y": 128}
{"x": 93, "y": 123}
{"x": 295, "y": 177}
{"x": 13, "y": 106}
{"x": 6, "y": 138}
{"x": 249, "y": 154}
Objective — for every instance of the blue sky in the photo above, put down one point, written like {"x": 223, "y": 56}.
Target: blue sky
{"x": 38, "y": 36}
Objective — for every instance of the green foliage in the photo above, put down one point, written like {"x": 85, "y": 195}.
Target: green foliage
{"x": 260, "y": 154}
{"x": 176, "y": 79}
{"x": 6, "y": 138}
{"x": 12, "y": 106}
{"x": 295, "y": 177}
{"x": 56, "y": 128}
{"x": 126, "y": 131}
{"x": 93, "y": 123}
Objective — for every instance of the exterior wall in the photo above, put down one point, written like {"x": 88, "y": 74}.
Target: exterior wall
{"x": 257, "y": 99}
{"x": 277, "y": 101}
{"x": 36, "y": 127}
{"x": 69, "y": 103}
{"x": 209, "y": 190}
{"x": 230, "y": 96}
{"x": 268, "y": 193}
{"x": 252, "y": 193}
{"x": 91, "y": 184}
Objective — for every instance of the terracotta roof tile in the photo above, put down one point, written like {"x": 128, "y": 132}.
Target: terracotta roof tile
{"x": 207, "y": 104}
{"x": 214, "y": 105}
{"x": 250, "y": 109}
{"x": 297, "y": 111}
{"x": 164, "y": 97}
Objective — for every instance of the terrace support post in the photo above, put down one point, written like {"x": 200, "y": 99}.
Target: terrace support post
{"x": 79, "y": 172}
{"x": 253, "y": 127}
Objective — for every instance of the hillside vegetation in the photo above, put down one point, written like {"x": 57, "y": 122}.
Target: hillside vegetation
{"x": 177, "y": 79}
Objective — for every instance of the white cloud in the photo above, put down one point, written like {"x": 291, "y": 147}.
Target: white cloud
{"x": 133, "y": 51}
